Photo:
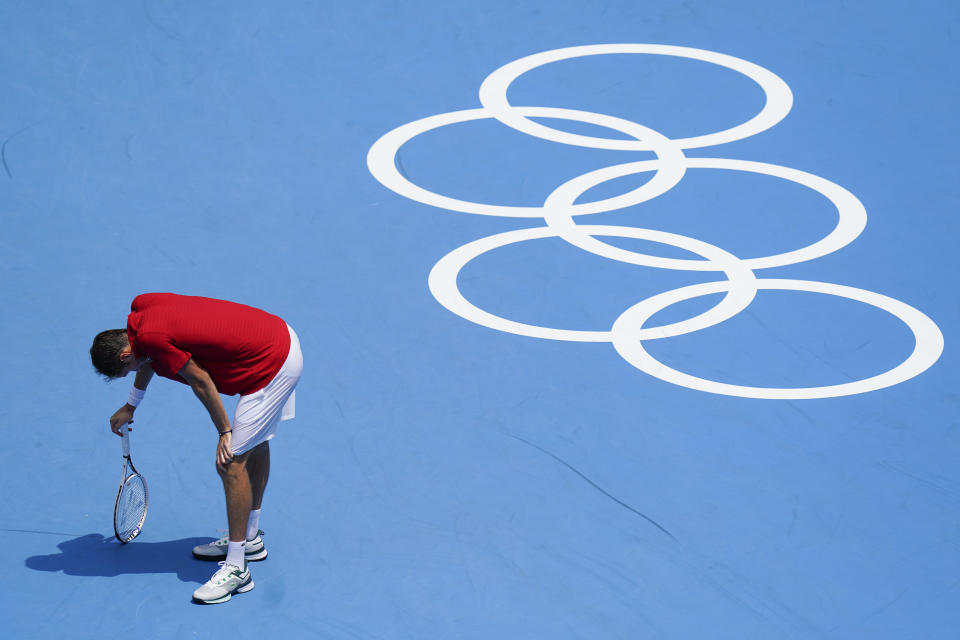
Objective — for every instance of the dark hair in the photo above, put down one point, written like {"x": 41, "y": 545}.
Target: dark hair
{"x": 105, "y": 352}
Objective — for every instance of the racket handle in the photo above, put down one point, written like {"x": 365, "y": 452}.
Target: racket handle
{"x": 125, "y": 432}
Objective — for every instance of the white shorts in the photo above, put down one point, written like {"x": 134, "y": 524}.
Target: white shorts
{"x": 257, "y": 415}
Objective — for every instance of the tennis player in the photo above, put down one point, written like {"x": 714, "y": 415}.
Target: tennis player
{"x": 216, "y": 347}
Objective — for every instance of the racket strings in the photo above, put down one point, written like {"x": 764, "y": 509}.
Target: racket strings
{"x": 131, "y": 507}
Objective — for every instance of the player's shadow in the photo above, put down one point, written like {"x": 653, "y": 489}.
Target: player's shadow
{"x": 94, "y": 555}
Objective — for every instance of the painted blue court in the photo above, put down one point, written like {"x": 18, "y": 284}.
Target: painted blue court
{"x": 620, "y": 319}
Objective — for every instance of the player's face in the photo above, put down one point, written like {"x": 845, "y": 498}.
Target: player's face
{"x": 130, "y": 366}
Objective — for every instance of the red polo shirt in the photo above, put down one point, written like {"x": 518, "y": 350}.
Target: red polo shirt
{"x": 242, "y": 348}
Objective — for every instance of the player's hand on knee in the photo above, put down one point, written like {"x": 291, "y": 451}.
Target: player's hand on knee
{"x": 224, "y": 451}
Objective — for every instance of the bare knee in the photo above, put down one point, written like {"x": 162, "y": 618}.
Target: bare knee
{"x": 233, "y": 469}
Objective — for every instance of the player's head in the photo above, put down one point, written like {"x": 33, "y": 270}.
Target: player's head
{"x": 111, "y": 354}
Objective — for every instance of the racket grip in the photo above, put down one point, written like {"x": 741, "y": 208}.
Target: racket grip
{"x": 125, "y": 433}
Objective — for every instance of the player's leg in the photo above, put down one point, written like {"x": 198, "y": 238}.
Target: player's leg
{"x": 233, "y": 576}
{"x": 244, "y": 481}
{"x": 258, "y": 470}
{"x": 239, "y": 496}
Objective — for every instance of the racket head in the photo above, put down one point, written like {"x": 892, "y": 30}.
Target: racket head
{"x": 130, "y": 508}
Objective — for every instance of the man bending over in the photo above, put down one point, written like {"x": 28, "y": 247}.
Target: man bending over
{"x": 215, "y": 347}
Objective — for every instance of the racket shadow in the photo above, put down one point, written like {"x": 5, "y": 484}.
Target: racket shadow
{"x": 96, "y": 555}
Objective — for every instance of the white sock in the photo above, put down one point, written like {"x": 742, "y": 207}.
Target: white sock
{"x": 253, "y": 524}
{"x": 235, "y": 551}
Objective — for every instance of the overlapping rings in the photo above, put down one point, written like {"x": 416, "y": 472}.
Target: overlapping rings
{"x": 561, "y": 208}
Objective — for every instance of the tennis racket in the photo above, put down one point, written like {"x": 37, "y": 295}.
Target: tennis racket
{"x": 130, "y": 509}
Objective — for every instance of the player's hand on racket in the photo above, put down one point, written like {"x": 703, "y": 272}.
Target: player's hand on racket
{"x": 225, "y": 450}
{"x": 123, "y": 416}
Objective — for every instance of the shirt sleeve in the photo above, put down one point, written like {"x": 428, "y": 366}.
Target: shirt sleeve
{"x": 166, "y": 358}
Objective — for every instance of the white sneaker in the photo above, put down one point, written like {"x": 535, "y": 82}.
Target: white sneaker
{"x": 227, "y": 581}
{"x": 253, "y": 551}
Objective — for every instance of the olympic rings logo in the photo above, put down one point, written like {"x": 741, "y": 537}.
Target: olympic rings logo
{"x": 560, "y": 210}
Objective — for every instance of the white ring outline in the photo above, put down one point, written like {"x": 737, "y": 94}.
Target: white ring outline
{"x": 493, "y": 95}
{"x": 927, "y": 350}
{"x": 443, "y": 284}
{"x": 381, "y": 162}
{"x": 558, "y": 213}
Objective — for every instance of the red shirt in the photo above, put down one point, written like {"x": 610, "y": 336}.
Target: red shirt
{"x": 242, "y": 348}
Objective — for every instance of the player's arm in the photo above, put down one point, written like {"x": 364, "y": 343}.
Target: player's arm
{"x": 205, "y": 389}
{"x": 144, "y": 376}
{"x": 124, "y": 415}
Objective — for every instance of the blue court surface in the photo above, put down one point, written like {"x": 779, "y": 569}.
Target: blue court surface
{"x": 621, "y": 319}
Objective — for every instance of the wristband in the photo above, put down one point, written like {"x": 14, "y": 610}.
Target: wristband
{"x": 136, "y": 395}
{"x": 223, "y": 433}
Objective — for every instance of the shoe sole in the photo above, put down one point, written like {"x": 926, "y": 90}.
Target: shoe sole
{"x": 253, "y": 557}
{"x": 241, "y": 589}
